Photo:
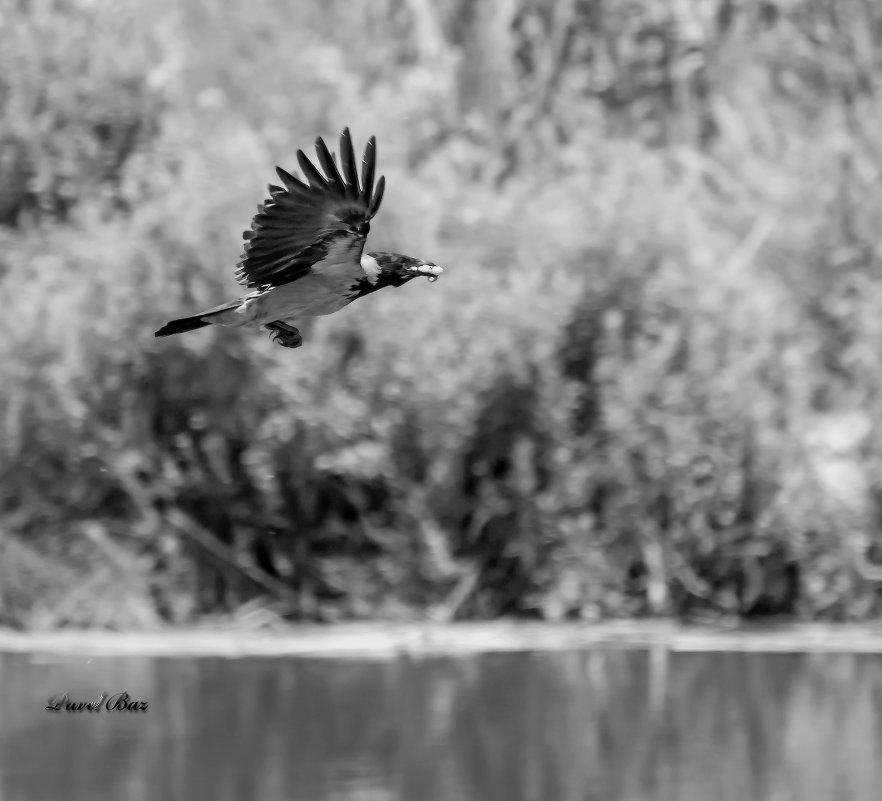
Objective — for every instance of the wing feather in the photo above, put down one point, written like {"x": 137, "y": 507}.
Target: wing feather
{"x": 350, "y": 170}
{"x": 315, "y": 178}
{"x": 378, "y": 196}
{"x": 367, "y": 166}
{"x": 335, "y": 180}
{"x": 293, "y": 184}
{"x": 319, "y": 226}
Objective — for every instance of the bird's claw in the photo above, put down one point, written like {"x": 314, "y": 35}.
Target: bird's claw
{"x": 287, "y": 340}
{"x": 287, "y": 337}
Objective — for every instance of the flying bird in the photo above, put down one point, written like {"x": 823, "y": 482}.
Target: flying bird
{"x": 304, "y": 255}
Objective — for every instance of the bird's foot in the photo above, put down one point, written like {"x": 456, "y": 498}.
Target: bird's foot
{"x": 285, "y": 335}
{"x": 427, "y": 270}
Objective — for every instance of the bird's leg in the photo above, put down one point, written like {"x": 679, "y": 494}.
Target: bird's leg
{"x": 285, "y": 335}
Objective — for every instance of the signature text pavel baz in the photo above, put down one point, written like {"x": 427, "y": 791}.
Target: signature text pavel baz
{"x": 118, "y": 702}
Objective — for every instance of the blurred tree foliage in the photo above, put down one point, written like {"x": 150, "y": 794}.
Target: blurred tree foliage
{"x": 647, "y": 384}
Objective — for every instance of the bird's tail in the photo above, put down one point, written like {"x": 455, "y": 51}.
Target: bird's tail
{"x": 182, "y": 326}
{"x": 194, "y": 321}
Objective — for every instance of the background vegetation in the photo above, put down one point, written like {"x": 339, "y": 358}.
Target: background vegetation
{"x": 648, "y": 382}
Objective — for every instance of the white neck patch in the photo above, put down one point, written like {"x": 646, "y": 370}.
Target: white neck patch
{"x": 371, "y": 268}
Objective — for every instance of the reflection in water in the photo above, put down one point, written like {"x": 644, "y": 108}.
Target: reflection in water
{"x": 600, "y": 725}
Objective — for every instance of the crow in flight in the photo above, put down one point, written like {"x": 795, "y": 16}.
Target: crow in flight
{"x": 304, "y": 255}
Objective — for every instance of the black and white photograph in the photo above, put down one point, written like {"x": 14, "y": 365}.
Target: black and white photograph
{"x": 475, "y": 400}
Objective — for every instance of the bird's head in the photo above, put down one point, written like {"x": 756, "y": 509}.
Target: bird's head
{"x": 393, "y": 269}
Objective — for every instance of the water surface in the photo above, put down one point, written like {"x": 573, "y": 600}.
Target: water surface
{"x": 596, "y": 725}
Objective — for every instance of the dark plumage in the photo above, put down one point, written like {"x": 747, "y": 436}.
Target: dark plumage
{"x": 304, "y": 255}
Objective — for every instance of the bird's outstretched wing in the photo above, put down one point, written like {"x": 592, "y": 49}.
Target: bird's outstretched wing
{"x": 319, "y": 226}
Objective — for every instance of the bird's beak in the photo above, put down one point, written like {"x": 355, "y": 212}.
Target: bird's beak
{"x": 430, "y": 271}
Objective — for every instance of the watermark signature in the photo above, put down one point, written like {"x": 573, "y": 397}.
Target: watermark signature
{"x": 118, "y": 702}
